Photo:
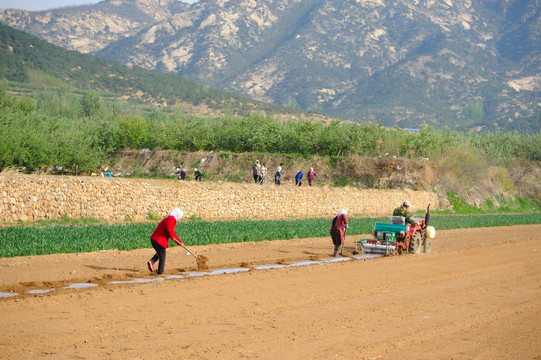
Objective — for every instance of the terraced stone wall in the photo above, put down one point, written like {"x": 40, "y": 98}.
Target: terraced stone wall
{"x": 34, "y": 197}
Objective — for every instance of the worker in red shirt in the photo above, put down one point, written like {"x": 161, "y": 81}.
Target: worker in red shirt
{"x": 311, "y": 176}
{"x": 338, "y": 230}
{"x": 160, "y": 239}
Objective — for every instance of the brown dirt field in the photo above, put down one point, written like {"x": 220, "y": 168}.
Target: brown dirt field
{"x": 478, "y": 296}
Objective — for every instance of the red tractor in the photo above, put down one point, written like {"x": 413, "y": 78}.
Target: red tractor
{"x": 416, "y": 239}
{"x": 399, "y": 237}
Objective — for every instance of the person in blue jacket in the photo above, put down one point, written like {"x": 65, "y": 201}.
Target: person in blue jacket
{"x": 298, "y": 178}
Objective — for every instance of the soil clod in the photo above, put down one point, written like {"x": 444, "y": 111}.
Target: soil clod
{"x": 202, "y": 262}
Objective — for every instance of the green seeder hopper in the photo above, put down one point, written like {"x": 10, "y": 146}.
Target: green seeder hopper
{"x": 384, "y": 241}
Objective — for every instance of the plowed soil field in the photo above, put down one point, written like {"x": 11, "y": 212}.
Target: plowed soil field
{"x": 477, "y": 296}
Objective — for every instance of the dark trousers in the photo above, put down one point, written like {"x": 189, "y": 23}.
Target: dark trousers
{"x": 160, "y": 255}
{"x": 336, "y": 237}
{"x": 198, "y": 177}
{"x": 277, "y": 179}
{"x": 257, "y": 179}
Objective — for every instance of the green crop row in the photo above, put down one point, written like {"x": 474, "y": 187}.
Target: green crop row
{"x": 27, "y": 241}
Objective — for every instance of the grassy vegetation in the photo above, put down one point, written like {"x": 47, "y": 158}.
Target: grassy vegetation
{"x": 67, "y": 221}
{"x": 516, "y": 204}
{"x": 27, "y": 241}
{"x": 446, "y": 222}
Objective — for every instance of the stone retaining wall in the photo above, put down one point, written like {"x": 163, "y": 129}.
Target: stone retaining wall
{"x": 34, "y": 197}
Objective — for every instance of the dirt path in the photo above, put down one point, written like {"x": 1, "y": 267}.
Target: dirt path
{"x": 478, "y": 296}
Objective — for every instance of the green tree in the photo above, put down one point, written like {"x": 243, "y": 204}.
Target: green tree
{"x": 474, "y": 112}
{"x": 91, "y": 104}
{"x": 132, "y": 132}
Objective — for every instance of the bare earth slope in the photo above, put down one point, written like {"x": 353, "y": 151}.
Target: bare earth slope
{"x": 478, "y": 296}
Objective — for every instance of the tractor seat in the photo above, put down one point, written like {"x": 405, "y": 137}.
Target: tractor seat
{"x": 399, "y": 220}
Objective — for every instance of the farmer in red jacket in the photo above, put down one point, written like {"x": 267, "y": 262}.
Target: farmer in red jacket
{"x": 311, "y": 176}
{"x": 160, "y": 239}
{"x": 338, "y": 230}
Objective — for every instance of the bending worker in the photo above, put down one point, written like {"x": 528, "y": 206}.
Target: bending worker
{"x": 338, "y": 229}
{"x": 160, "y": 239}
{"x": 404, "y": 211}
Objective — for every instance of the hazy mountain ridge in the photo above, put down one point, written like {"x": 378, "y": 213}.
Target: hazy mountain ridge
{"x": 470, "y": 64}
{"x": 34, "y": 66}
{"x": 89, "y": 28}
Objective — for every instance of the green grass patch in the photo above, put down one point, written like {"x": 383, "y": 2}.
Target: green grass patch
{"x": 447, "y": 222}
{"x": 39, "y": 77}
{"x": 517, "y": 204}
{"x": 342, "y": 181}
{"x": 195, "y": 217}
{"x": 148, "y": 175}
{"x": 27, "y": 241}
{"x": 153, "y": 217}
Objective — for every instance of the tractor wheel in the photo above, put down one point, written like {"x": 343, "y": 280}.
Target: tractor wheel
{"x": 427, "y": 245}
{"x": 416, "y": 243}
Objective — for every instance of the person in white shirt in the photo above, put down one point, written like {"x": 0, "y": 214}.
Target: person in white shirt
{"x": 278, "y": 174}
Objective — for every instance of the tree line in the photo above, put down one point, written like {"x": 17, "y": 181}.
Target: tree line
{"x": 59, "y": 128}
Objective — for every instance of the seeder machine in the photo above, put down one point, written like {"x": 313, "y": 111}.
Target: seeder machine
{"x": 399, "y": 237}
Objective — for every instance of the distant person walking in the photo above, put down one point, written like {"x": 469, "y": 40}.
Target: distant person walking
{"x": 160, "y": 239}
{"x": 338, "y": 230}
{"x": 278, "y": 174}
{"x": 181, "y": 171}
{"x": 198, "y": 174}
{"x": 263, "y": 174}
{"x": 311, "y": 176}
{"x": 298, "y": 178}
{"x": 256, "y": 172}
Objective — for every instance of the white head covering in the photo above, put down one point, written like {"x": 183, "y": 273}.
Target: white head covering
{"x": 343, "y": 211}
{"x": 176, "y": 213}
{"x": 407, "y": 203}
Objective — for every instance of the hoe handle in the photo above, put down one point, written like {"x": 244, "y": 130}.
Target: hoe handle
{"x": 342, "y": 248}
{"x": 185, "y": 248}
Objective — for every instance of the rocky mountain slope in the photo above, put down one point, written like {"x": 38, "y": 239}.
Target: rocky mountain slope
{"x": 34, "y": 66}
{"x": 460, "y": 64}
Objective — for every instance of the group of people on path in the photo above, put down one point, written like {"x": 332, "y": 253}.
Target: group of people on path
{"x": 259, "y": 173}
{"x": 311, "y": 176}
{"x": 181, "y": 173}
{"x": 166, "y": 230}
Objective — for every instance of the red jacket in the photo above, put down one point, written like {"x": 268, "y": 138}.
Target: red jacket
{"x": 166, "y": 231}
{"x": 341, "y": 221}
{"x": 340, "y": 224}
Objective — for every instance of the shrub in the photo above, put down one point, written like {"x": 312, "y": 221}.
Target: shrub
{"x": 132, "y": 132}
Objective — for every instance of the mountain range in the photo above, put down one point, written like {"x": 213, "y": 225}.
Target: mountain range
{"x": 456, "y": 64}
